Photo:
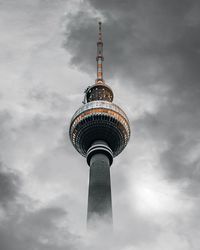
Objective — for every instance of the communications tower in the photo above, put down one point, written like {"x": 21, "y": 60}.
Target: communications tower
{"x": 99, "y": 131}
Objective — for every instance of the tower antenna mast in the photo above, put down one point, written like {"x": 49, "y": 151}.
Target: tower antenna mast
{"x": 100, "y": 57}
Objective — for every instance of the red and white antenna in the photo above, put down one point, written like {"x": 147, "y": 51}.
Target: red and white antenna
{"x": 100, "y": 57}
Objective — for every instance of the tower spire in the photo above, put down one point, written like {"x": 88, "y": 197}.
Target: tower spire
{"x": 100, "y": 57}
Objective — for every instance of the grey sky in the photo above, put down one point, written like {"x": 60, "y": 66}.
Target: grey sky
{"x": 47, "y": 59}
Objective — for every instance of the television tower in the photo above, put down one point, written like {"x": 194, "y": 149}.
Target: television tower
{"x": 99, "y": 131}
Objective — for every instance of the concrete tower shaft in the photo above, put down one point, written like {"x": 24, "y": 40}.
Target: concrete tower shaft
{"x": 99, "y": 158}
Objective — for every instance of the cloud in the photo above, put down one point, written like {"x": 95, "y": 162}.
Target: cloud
{"x": 23, "y": 225}
{"x": 9, "y": 186}
{"x": 151, "y": 62}
{"x": 37, "y": 229}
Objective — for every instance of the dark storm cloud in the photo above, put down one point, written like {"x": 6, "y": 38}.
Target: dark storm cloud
{"x": 137, "y": 33}
{"x": 9, "y": 185}
{"x": 36, "y": 230}
{"x": 152, "y": 44}
{"x": 22, "y": 227}
{"x": 141, "y": 37}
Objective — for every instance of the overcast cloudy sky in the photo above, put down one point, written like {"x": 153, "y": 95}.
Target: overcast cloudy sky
{"x": 47, "y": 59}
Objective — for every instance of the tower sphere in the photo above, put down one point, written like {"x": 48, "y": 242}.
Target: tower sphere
{"x": 99, "y": 120}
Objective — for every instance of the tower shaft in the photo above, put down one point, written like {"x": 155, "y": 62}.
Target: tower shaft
{"x": 99, "y": 195}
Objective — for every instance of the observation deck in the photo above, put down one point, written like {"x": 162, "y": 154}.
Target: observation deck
{"x": 99, "y": 120}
